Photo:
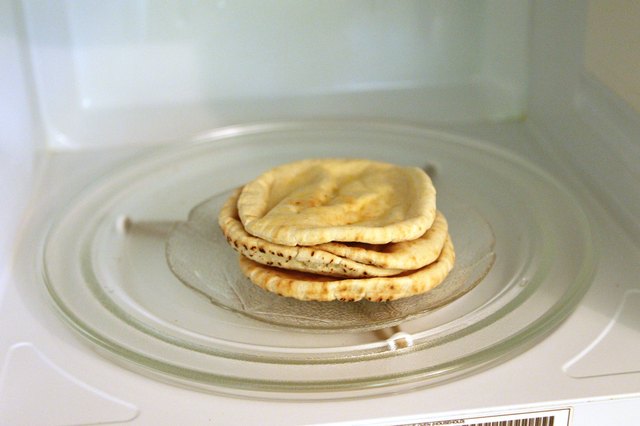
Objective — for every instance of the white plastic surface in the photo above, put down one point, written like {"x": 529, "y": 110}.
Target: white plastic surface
{"x": 623, "y": 331}
{"x": 28, "y": 375}
{"x": 592, "y": 134}
{"x": 134, "y": 72}
{"x": 18, "y": 135}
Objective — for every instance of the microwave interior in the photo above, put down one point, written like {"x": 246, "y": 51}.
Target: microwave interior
{"x": 123, "y": 118}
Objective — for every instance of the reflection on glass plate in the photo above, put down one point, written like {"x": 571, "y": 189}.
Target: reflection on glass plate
{"x": 200, "y": 257}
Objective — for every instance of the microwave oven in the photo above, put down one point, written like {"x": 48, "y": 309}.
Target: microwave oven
{"x": 120, "y": 118}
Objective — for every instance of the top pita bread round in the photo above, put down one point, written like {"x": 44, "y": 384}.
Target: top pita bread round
{"x": 316, "y": 201}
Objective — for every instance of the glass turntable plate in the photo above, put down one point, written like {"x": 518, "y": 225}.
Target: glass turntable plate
{"x": 193, "y": 244}
{"x": 117, "y": 260}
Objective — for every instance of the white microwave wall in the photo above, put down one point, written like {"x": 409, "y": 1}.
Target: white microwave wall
{"x": 128, "y": 71}
{"x": 88, "y": 74}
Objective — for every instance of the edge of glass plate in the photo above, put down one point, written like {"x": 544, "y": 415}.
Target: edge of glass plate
{"x": 237, "y": 386}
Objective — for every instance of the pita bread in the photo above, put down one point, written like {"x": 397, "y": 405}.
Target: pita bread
{"x": 305, "y": 286}
{"x": 404, "y": 255}
{"x": 318, "y": 201}
{"x": 306, "y": 259}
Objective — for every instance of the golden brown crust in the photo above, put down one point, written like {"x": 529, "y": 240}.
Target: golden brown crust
{"x": 307, "y": 259}
{"x": 304, "y": 286}
{"x": 403, "y": 255}
{"x": 340, "y": 229}
{"x": 318, "y": 201}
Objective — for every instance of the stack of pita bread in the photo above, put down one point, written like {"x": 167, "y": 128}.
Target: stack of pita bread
{"x": 340, "y": 229}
